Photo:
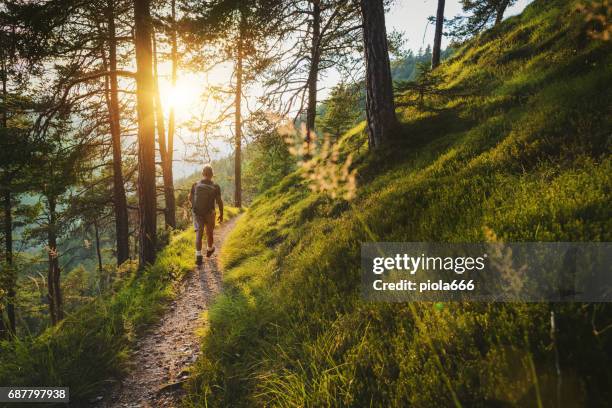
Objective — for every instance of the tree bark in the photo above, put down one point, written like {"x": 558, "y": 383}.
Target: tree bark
{"x": 238, "y": 117}
{"x": 3, "y": 329}
{"x": 170, "y": 199}
{"x": 147, "y": 205}
{"x": 501, "y": 9}
{"x": 380, "y": 108}
{"x": 119, "y": 198}
{"x": 8, "y": 244}
{"x": 313, "y": 74}
{"x": 53, "y": 275}
{"x": 8, "y": 230}
{"x": 98, "y": 250}
{"x": 435, "y": 56}
{"x": 169, "y": 213}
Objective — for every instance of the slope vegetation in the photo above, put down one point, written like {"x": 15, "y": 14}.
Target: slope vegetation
{"x": 513, "y": 145}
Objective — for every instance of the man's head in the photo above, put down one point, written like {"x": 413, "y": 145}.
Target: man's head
{"x": 207, "y": 172}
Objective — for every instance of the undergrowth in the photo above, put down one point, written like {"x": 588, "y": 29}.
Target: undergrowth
{"x": 92, "y": 346}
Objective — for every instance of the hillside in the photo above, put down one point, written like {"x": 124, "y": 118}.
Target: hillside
{"x": 514, "y": 145}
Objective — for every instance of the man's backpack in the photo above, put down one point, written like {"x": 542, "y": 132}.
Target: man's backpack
{"x": 204, "y": 198}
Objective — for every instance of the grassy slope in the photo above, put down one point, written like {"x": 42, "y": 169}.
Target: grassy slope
{"x": 93, "y": 344}
{"x": 523, "y": 155}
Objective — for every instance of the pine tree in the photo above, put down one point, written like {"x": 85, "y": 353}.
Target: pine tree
{"x": 341, "y": 110}
{"x": 147, "y": 197}
{"x": 114, "y": 116}
{"x": 244, "y": 28}
{"x": 380, "y": 107}
{"x": 482, "y": 14}
{"x": 435, "y": 57}
{"x": 324, "y": 34}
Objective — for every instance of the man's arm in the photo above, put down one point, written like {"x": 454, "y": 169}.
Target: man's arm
{"x": 220, "y": 204}
{"x": 191, "y": 196}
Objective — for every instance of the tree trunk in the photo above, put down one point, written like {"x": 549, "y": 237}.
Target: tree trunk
{"x": 98, "y": 250}
{"x": 313, "y": 74}
{"x": 3, "y": 329}
{"x": 380, "y": 108}
{"x": 147, "y": 205}
{"x": 8, "y": 244}
{"x": 170, "y": 199}
{"x": 238, "y": 118}
{"x": 169, "y": 215}
{"x": 435, "y": 56}
{"x": 8, "y": 230}
{"x": 119, "y": 198}
{"x": 53, "y": 275}
{"x": 8, "y": 227}
{"x": 501, "y": 9}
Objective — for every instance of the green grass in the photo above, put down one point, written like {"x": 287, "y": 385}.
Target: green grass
{"x": 518, "y": 147}
{"x": 92, "y": 345}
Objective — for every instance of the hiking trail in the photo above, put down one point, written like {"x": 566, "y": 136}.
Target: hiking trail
{"x": 163, "y": 354}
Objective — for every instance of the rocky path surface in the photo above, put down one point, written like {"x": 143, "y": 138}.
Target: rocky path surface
{"x": 162, "y": 356}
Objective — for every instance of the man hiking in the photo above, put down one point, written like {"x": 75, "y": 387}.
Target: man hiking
{"x": 202, "y": 197}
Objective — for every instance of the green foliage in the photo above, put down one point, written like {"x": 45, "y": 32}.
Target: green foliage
{"x": 518, "y": 146}
{"x": 406, "y": 66}
{"x": 480, "y": 16}
{"x": 340, "y": 114}
{"x": 426, "y": 82}
{"x": 268, "y": 162}
{"x": 93, "y": 343}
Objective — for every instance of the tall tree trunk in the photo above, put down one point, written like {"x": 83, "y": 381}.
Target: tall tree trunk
{"x": 169, "y": 184}
{"x": 169, "y": 216}
{"x": 435, "y": 56}
{"x": 8, "y": 229}
{"x": 313, "y": 74}
{"x": 119, "y": 198}
{"x": 238, "y": 118}
{"x": 147, "y": 204}
{"x": 501, "y": 9}
{"x": 380, "y": 107}
{"x": 53, "y": 276}
{"x": 4, "y": 330}
{"x": 8, "y": 244}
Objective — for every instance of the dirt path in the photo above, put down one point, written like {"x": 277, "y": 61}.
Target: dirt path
{"x": 163, "y": 355}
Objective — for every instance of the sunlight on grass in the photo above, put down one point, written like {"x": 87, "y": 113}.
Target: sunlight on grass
{"x": 521, "y": 149}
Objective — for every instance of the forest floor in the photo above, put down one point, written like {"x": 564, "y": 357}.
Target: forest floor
{"x": 162, "y": 356}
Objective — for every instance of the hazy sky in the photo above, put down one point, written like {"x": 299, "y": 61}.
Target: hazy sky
{"x": 410, "y": 17}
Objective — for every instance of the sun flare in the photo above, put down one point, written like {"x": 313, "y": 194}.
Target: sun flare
{"x": 183, "y": 97}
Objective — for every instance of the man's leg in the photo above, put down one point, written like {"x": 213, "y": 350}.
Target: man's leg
{"x": 210, "y": 229}
{"x": 199, "y": 237}
{"x": 197, "y": 224}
